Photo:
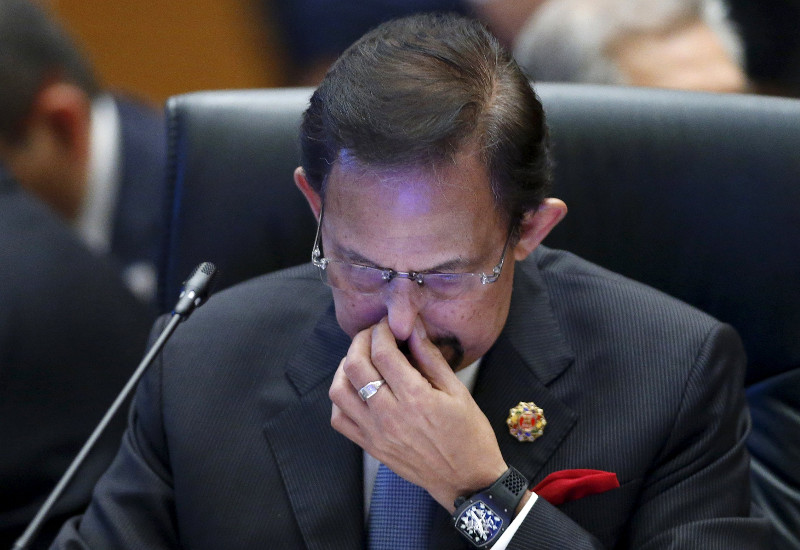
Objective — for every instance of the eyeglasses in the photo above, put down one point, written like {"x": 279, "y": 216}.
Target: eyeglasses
{"x": 369, "y": 280}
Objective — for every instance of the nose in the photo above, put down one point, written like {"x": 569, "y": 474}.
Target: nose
{"x": 403, "y": 303}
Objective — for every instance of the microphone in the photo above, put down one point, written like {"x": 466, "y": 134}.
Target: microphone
{"x": 195, "y": 291}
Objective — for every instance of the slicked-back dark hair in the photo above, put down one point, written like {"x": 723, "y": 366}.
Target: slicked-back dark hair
{"x": 415, "y": 91}
{"x": 33, "y": 49}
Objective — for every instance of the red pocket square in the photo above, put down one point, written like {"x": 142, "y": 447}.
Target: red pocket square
{"x": 565, "y": 485}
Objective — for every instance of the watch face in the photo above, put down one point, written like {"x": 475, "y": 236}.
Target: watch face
{"x": 479, "y": 523}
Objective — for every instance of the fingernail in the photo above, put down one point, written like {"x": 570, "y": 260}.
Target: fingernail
{"x": 420, "y": 329}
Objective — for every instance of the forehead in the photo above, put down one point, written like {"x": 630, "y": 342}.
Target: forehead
{"x": 457, "y": 187}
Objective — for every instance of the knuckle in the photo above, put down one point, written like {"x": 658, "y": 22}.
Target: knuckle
{"x": 380, "y": 356}
{"x": 351, "y": 367}
{"x": 348, "y": 369}
{"x": 336, "y": 392}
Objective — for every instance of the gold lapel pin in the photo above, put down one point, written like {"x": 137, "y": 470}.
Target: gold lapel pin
{"x": 526, "y": 421}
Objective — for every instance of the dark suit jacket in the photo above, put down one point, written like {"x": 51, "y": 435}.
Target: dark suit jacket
{"x": 139, "y": 216}
{"x": 230, "y": 445}
{"x": 70, "y": 335}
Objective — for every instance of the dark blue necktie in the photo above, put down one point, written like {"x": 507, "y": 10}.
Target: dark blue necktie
{"x": 400, "y": 513}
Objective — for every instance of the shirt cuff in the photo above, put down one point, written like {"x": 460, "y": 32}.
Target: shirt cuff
{"x": 509, "y": 533}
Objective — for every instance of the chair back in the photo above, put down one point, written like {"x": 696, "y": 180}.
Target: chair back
{"x": 693, "y": 193}
{"x": 230, "y": 195}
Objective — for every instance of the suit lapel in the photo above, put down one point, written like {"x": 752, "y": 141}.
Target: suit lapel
{"x": 325, "y": 489}
{"x": 506, "y": 381}
{"x": 529, "y": 355}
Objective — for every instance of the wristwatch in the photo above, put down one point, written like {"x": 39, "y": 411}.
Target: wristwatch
{"x": 483, "y": 517}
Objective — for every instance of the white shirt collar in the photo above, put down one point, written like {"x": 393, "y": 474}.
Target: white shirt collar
{"x": 469, "y": 374}
{"x": 94, "y": 223}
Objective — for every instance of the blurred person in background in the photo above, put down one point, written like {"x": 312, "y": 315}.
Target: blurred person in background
{"x": 70, "y": 336}
{"x": 683, "y": 44}
{"x": 95, "y": 158}
{"x": 505, "y": 18}
{"x": 316, "y": 32}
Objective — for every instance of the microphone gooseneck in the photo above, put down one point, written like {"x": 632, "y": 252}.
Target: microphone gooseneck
{"x": 195, "y": 292}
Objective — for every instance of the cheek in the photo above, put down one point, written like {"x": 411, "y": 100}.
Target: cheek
{"x": 471, "y": 322}
{"x": 355, "y": 313}
{"x": 476, "y": 324}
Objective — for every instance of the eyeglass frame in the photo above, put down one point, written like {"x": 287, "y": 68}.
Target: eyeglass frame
{"x": 389, "y": 274}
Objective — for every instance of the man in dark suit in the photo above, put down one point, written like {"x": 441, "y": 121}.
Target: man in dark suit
{"x": 70, "y": 336}
{"x": 449, "y": 365}
{"x": 97, "y": 159}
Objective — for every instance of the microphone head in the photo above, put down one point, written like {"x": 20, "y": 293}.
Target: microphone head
{"x": 201, "y": 278}
{"x": 196, "y": 289}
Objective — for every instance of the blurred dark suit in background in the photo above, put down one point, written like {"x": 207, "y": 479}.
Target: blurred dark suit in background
{"x": 70, "y": 336}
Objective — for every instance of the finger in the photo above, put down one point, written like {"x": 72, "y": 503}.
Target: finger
{"x": 344, "y": 395}
{"x": 350, "y": 415}
{"x": 357, "y": 364}
{"x": 430, "y": 361}
{"x": 346, "y": 426}
{"x": 391, "y": 363}
{"x": 358, "y": 370}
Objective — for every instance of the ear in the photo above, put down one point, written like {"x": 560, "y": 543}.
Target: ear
{"x": 51, "y": 158}
{"x": 313, "y": 198}
{"x": 537, "y": 224}
{"x": 65, "y": 110}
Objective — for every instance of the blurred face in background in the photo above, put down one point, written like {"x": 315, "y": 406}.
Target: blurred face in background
{"x": 690, "y": 57}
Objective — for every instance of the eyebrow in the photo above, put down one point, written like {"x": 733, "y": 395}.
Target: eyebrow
{"x": 445, "y": 267}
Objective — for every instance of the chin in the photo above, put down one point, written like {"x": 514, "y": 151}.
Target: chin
{"x": 452, "y": 351}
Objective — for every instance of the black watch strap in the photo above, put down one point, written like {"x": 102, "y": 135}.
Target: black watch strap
{"x": 484, "y": 516}
{"x": 509, "y": 489}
